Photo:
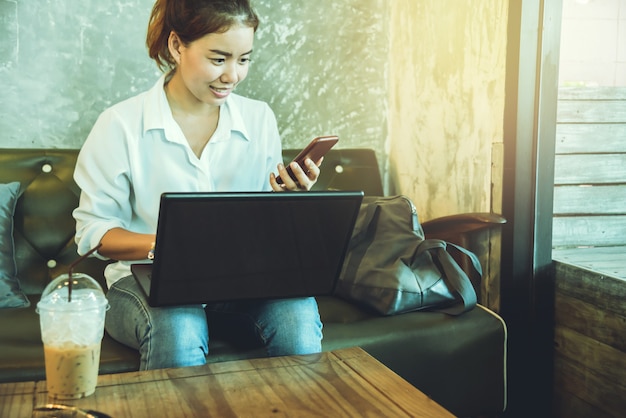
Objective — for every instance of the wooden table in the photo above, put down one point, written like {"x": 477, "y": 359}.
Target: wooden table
{"x": 342, "y": 383}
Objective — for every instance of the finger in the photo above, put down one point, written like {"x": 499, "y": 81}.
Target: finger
{"x": 275, "y": 185}
{"x": 300, "y": 177}
{"x": 288, "y": 182}
{"x": 313, "y": 170}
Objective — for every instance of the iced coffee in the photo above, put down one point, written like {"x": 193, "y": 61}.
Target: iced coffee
{"x": 72, "y": 370}
{"x": 71, "y": 330}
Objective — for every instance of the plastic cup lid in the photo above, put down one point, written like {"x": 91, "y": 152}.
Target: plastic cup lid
{"x": 86, "y": 294}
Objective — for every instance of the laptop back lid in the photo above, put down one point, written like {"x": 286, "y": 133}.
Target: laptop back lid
{"x": 230, "y": 246}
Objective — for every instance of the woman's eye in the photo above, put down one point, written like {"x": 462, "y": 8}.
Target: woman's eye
{"x": 244, "y": 60}
{"x": 217, "y": 61}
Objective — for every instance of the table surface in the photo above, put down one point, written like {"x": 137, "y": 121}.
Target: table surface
{"x": 347, "y": 383}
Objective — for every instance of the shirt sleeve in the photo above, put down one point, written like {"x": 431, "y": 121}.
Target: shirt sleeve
{"x": 102, "y": 174}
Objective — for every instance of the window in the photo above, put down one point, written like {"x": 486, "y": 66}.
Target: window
{"x": 589, "y": 223}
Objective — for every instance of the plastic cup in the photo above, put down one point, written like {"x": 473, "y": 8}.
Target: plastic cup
{"x": 71, "y": 317}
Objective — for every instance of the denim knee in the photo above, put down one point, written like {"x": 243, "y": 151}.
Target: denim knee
{"x": 290, "y": 326}
{"x": 165, "y": 337}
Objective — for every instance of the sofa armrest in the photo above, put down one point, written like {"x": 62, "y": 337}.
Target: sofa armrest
{"x": 461, "y": 224}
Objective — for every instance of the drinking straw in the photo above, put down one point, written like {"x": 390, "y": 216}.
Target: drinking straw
{"x": 71, "y": 269}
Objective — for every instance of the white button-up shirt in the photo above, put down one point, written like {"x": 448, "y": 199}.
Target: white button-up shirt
{"x": 136, "y": 151}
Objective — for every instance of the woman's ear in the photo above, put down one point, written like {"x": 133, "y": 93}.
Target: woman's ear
{"x": 174, "y": 45}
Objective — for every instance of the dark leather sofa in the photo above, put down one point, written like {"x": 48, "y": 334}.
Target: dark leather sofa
{"x": 458, "y": 361}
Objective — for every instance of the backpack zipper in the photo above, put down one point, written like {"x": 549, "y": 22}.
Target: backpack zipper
{"x": 414, "y": 218}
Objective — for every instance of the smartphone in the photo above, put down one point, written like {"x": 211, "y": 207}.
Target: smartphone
{"x": 316, "y": 149}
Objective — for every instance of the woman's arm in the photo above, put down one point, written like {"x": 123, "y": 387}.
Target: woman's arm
{"x": 120, "y": 244}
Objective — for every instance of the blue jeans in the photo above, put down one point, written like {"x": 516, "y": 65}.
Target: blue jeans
{"x": 179, "y": 336}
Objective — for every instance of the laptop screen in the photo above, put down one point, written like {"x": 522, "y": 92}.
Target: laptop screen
{"x": 227, "y": 246}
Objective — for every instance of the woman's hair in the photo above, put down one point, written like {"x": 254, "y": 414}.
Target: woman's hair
{"x": 191, "y": 20}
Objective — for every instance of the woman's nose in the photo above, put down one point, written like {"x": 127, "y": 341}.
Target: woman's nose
{"x": 230, "y": 74}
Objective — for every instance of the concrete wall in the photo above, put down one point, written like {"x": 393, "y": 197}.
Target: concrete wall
{"x": 64, "y": 61}
{"x": 447, "y": 99}
{"x": 420, "y": 81}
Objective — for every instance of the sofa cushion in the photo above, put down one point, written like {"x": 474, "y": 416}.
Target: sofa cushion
{"x": 11, "y": 295}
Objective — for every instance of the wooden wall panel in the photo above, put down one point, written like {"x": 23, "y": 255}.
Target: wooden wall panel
{"x": 604, "y": 361}
{"x": 589, "y": 231}
{"x": 603, "y": 292}
{"x": 582, "y": 383}
{"x": 589, "y": 344}
{"x": 569, "y": 406}
{"x": 575, "y": 138}
{"x": 590, "y": 169}
{"x": 592, "y": 111}
{"x": 583, "y": 200}
{"x": 601, "y": 325}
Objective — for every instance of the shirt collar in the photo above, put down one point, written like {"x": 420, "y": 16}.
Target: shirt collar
{"x": 158, "y": 114}
{"x": 232, "y": 119}
{"x": 156, "y": 109}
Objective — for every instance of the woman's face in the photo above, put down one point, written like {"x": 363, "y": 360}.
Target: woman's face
{"x": 211, "y": 67}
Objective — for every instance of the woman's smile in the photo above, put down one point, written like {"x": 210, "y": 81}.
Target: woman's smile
{"x": 221, "y": 92}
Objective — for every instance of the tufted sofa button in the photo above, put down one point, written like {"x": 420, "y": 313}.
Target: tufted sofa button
{"x": 46, "y": 168}
{"x": 338, "y": 169}
{"x": 51, "y": 264}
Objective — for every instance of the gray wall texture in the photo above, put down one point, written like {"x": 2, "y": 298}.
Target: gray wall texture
{"x": 322, "y": 67}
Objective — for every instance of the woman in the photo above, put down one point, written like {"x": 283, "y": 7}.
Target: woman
{"x": 188, "y": 133}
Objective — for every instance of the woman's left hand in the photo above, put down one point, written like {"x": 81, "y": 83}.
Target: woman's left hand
{"x": 304, "y": 180}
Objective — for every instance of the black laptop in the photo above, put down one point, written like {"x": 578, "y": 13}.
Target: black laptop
{"x": 214, "y": 247}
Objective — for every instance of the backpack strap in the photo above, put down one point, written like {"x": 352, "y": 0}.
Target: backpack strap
{"x": 454, "y": 275}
